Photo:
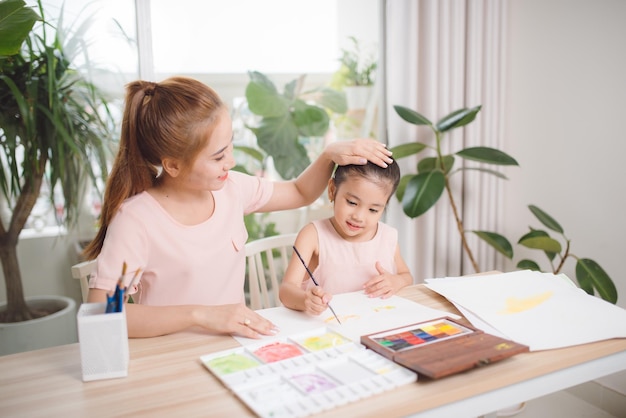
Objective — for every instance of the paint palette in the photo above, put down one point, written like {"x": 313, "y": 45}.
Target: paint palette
{"x": 441, "y": 347}
{"x": 305, "y": 373}
{"x": 421, "y": 334}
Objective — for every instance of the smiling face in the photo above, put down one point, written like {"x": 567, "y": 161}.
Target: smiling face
{"x": 358, "y": 205}
{"x": 209, "y": 169}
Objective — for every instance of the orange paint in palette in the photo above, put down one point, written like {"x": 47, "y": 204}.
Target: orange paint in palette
{"x": 305, "y": 373}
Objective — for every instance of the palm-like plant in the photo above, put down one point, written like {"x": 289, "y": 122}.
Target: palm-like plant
{"x": 54, "y": 124}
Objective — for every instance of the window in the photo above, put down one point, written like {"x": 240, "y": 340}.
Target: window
{"x": 235, "y": 36}
{"x": 215, "y": 41}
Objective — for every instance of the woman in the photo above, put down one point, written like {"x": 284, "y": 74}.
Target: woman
{"x": 174, "y": 211}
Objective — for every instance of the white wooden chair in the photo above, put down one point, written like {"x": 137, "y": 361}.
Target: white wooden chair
{"x": 264, "y": 280}
{"x": 82, "y": 271}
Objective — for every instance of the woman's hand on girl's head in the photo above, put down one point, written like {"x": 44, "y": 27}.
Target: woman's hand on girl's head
{"x": 234, "y": 319}
{"x": 359, "y": 151}
{"x": 316, "y": 300}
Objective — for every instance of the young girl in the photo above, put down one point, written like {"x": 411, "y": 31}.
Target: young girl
{"x": 353, "y": 250}
{"x": 174, "y": 211}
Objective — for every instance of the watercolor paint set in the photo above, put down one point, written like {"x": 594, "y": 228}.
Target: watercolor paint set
{"x": 305, "y": 374}
{"x": 441, "y": 347}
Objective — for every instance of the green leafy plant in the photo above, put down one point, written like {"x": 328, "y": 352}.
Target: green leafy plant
{"x": 419, "y": 191}
{"x": 287, "y": 118}
{"x": 358, "y": 68}
{"x": 54, "y": 124}
{"x": 257, "y": 224}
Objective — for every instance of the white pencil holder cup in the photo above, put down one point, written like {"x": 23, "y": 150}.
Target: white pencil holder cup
{"x": 103, "y": 340}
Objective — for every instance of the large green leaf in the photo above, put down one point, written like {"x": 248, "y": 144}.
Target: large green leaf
{"x": 311, "y": 120}
{"x": 422, "y": 192}
{"x": 542, "y": 243}
{"x": 404, "y": 180}
{"x": 487, "y": 155}
{"x": 411, "y": 116}
{"x": 16, "y": 22}
{"x": 291, "y": 163}
{"x": 546, "y": 219}
{"x": 457, "y": 119}
{"x": 590, "y": 275}
{"x": 278, "y": 137}
{"x": 404, "y": 150}
{"x": 263, "y": 97}
{"x": 497, "y": 241}
{"x": 538, "y": 233}
{"x": 433, "y": 163}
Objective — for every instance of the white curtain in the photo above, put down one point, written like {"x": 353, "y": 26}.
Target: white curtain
{"x": 439, "y": 56}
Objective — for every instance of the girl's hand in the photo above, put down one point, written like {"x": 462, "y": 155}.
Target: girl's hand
{"x": 316, "y": 300}
{"x": 385, "y": 284}
{"x": 234, "y": 319}
{"x": 359, "y": 151}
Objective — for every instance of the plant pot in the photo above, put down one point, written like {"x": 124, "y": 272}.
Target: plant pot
{"x": 56, "y": 329}
{"x": 358, "y": 97}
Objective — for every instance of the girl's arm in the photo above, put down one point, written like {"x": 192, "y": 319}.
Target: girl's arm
{"x": 152, "y": 321}
{"x": 387, "y": 284}
{"x": 313, "y": 301}
{"x": 311, "y": 183}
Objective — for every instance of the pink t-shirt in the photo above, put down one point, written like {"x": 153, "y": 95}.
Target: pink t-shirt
{"x": 345, "y": 266}
{"x": 181, "y": 264}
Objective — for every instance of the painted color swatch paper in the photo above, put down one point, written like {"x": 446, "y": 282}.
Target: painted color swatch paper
{"x": 359, "y": 315}
{"x": 540, "y": 310}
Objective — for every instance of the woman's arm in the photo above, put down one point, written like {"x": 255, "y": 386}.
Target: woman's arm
{"x": 311, "y": 183}
{"x": 152, "y": 321}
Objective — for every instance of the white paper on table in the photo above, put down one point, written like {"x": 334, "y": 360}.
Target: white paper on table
{"x": 479, "y": 323}
{"x": 540, "y": 310}
{"x": 359, "y": 315}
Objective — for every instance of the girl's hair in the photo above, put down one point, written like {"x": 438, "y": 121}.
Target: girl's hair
{"x": 385, "y": 177}
{"x": 170, "y": 119}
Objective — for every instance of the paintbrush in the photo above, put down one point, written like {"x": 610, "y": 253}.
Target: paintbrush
{"x": 314, "y": 281}
{"x": 131, "y": 284}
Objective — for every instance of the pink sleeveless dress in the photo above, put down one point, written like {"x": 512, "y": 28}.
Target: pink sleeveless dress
{"x": 345, "y": 266}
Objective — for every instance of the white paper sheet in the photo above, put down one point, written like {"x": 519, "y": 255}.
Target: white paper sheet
{"x": 359, "y": 314}
{"x": 540, "y": 310}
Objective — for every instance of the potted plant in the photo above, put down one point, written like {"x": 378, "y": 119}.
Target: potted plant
{"x": 54, "y": 128}
{"x": 419, "y": 191}
{"x": 356, "y": 74}
{"x": 290, "y": 117}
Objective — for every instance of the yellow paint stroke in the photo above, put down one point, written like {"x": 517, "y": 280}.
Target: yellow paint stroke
{"x": 342, "y": 318}
{"x": 384, "y": 308}
{"x": 321, "y": 342}
{"x": 516, "y": 305}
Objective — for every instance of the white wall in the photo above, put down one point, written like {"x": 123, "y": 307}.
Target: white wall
{"x": 566, "y": 106}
